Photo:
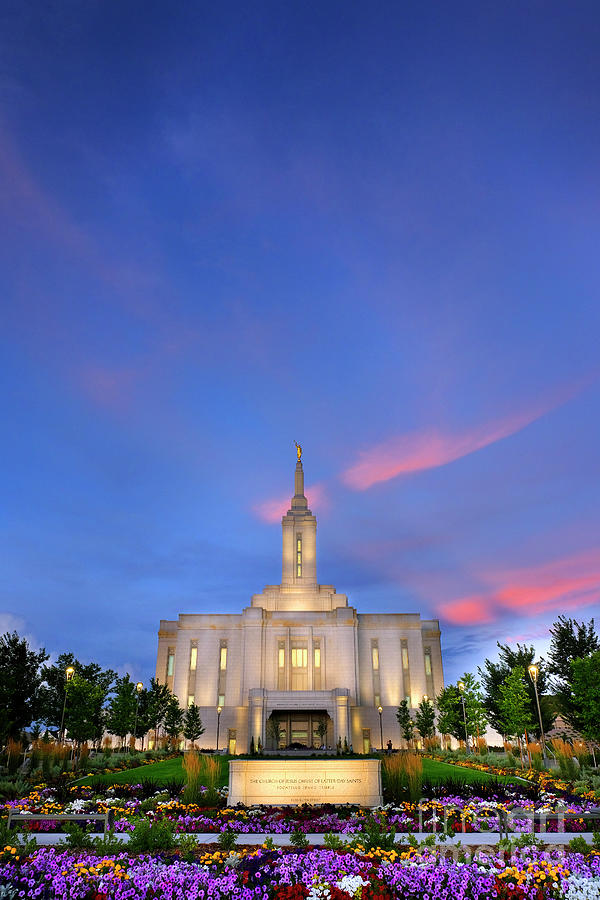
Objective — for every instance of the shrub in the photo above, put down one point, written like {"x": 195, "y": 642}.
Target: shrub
{"x": 373, "y": 836}
{"x": 227, "y": 840}
{"x": 152, "y": 837}
{"x": 187, "y": 845}
{"x": 298, "y": 840}
{"x": 77, "y": 837}
{"x": 333, "y": 841}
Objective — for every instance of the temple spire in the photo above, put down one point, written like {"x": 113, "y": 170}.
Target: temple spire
{"x": 299, "y": 501}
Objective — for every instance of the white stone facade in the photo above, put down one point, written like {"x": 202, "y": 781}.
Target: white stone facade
{"x": 299, "y": 659}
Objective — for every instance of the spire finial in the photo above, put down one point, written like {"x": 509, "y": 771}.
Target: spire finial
{"x": 298, "y": 451}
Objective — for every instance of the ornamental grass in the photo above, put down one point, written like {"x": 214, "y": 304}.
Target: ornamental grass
{"x": 403, "y": 774}
{"x": 201, "y": 771}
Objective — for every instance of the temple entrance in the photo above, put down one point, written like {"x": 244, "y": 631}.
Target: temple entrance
{"x": 309, "y": 730}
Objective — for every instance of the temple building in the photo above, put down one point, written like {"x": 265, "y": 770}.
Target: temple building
{"x": 300, "y": 666}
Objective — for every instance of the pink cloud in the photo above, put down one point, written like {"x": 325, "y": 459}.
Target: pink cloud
{"x": 466, "y": 611}
{"x": 273, "y": 509}
{"x": 569, "y": 583}
{"x": 431, "y": 448}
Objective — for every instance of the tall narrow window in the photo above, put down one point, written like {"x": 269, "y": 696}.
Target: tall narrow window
{"x": 281, "y": 665}
{"x": 406, "y": 670}
{"x": 191, "y": 699}
{"x": 299, "y": 555}
{"x": 428, "y": 672}
{"x": 299, "y": 666}
{"x": 170, "y": 662}
{"x": 316, "y": 665}
{"x": 193, "y": 658}
{"x": 375, "y": 667}
{"x": 222, "y": 673}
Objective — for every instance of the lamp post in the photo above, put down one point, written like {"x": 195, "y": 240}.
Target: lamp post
{"x": 219, "y": 711}
{"x": 533, "y": 674}
{"x": 380, "y": 711}
{"x": 461, "y": 687}
{"x": 69, "y": 672}
{"x": 139, "y": 688}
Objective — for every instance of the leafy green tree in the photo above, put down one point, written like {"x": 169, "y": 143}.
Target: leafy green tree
{"x": 52, "y": 692}
{"x": 425, "y": 719}
{"x": 20, "y": 681}
{"x": 493, "y": 675}
{"x": 515, "y": 711}
{"x": 192, "y": 724}
{"x": 571, "y": 640}
{"x": 84, "y": 700}
{"x": 121, "y": 709}
{"x": 450, "y": 714}
{"x": 585, "y": 684}
{"x": 158, "y": 703}
{"x": 407, "y": 726}
{"x": 173, "y": 719}
{"x": 142, "y": 724}
{"x": 475, "y": 710}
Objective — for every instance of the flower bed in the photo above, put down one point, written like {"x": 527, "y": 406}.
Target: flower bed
{"x": 292, "y": 875}
{"x": 450, "y": 811}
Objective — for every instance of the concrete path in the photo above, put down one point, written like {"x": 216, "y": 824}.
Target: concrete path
{"x": 283, "y": 840}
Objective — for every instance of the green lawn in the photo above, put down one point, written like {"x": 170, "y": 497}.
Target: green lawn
{"x": 172, "y": 768}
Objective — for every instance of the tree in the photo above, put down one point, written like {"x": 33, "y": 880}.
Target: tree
{"x": 450, "y": 714}
{"x": 192, "y": 724}
{"x": 158, "y": 702}
{"x": 493, "y": 675}
{"x": 475, "y": 711}
{"x": 585, "y": 684}
{"x": 405, "y": 722}
{"x": 425, "y": 719}
{"x": 84, "y": 699}
{"x": 121, "y": 709}
{"x": 173, "y": 719}
{"x": 52, "y": 692}
{"x": 571, "y": 640}
{"x": 514, "y": 705}
{"x": 20, "y": 681}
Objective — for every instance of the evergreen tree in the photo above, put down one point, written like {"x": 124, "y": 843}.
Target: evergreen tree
{"x": 121, "y": 709}
{"x": 585, "y": 685}
{"x": 20, "y": 681}
{"x": 571, "y": 640}
{"x": 425, "y": 719}
{"x": 493, "y": 675}
{"x": 450, "y": 713}
{"x": 192, "y": 724}
{"x": 173, "y": 720}
{"x": 407, "y": 727}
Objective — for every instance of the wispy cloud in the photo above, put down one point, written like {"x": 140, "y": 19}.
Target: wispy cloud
{"x": 272, "y": 509}
{"x": 569, "y": 583}
{"x": 430, "y": 448}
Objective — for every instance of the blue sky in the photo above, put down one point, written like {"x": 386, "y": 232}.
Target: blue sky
{"x": 371, "y": 228}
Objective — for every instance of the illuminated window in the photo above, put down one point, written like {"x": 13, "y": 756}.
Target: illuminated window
{"x": 316, "y": 665}
{"x": 221, "y": 701}
{"x": 317, "y": 657}
{"x": 428, "y": 662}
{"x": 170, "y": 662}
{"x": 281, "y": 657}
{"x": 405, "y": 657}
{"x": 299, "y": 657}
{"x": 375, "y": 655}
{"x": 299, "y": 556}
{"x": 407, "y": 698}
{"x": 223, "y": 659}
{"x": 377, "y": 700}
{"x": 193, "y": 658}
{"x": 222, "y": 675}
{"x": 281, "y": 666}
{"x": 191, "y": 699}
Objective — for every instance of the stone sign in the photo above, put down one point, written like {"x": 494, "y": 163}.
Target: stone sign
{"x": 293, "y": 781}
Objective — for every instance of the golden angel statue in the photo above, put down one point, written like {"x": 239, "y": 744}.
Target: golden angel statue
{"x": 298, "y": 450}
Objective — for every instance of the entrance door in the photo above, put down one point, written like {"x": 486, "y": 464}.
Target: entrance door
{"x": 366, "y": 740}
{"x": 231, "y": 741}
